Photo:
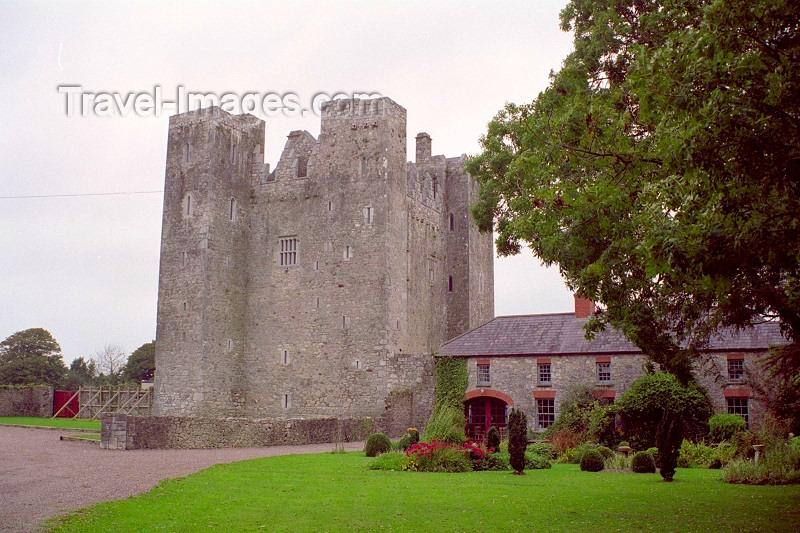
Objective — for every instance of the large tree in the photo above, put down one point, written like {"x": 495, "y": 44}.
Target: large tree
{"x": 31, "y": 356}
{"x": 141, "y": 365}
{"x": 660, "y": 169}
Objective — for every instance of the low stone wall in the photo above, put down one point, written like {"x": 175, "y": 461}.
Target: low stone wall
{"x": 27, "y": 400}
{"x": 126, "y": 432}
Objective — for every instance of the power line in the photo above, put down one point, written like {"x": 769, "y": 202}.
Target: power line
{"x": 122, "y": 193}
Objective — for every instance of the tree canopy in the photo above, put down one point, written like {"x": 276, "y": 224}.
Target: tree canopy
{"x": 141, "y": 365}
{"x": 31, "y": 356}
{"x": 659, "y": 170}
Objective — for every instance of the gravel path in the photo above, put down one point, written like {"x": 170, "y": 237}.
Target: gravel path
{"x": 42, "y": 476}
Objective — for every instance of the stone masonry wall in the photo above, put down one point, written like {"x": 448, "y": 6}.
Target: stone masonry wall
{"x": 125, "y": 432}
{"x": 26, "y": 401}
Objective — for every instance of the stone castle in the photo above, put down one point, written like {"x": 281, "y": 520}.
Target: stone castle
{"x": 321, "y": 288}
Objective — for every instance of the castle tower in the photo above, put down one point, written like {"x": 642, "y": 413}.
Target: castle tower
{"x": 200, "y": 333}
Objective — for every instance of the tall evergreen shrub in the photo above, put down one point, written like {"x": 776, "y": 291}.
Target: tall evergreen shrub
{"x": 517, "y": 439}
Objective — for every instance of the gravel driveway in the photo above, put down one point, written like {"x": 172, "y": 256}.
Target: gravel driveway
{"x": 42, "y": 476}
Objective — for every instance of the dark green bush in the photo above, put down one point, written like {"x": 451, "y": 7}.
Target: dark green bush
{"x": 654, "y": 452}
{"x": 493, "y": 438}
{"x": 377, "y": 443}
{"x": 643, "y": 405}
{"x": 497, "y": 461}
{"x": 404, "y": 443}
{"x": 534, "y": 461}
{"x": 725, "y": 427}
{"x": 643, "y": 463}
{"x": 592, "y": 461}
{"x": 605, "y": 451}
{"x": 413, "y": 435}
{"x": 517, "y": 439}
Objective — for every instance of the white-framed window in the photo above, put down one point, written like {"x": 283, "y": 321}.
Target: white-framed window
{"x": 545, "y": 412}
{"x": 735, "y": 369}
{"x": 739, "y": 406}
{"x": 545, "y": 374}
{"x": 288, "y": 251}
{"x": 484, "y": 375}
{"x": 603, "y": 371}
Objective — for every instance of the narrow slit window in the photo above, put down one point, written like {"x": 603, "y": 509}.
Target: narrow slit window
{"x": 232, "y": 212}
{"x": 452, "y": 222}
{"x": 450, "y": 284}
{"x": 285, "y": 357}
{"x": 286, "y": 401}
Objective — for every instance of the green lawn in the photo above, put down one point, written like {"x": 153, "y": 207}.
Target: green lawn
{"x": 333, "y": 492}
{"x": 66, "y": 423}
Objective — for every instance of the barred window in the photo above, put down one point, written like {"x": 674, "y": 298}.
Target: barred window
{"x": 544, "y": 374}
{"x": 545, "y": 412}
{"x": 484, "y": 376}
{"x": 288, "y": 253}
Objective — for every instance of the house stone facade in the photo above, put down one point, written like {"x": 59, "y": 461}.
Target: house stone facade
{"x": 531, "y": 362}
{"x": 320, "y": 288}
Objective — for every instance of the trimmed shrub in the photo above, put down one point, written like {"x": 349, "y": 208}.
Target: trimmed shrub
{"x": 413, "y": 435}
{"x": 377, "y": 443}
{"x": 404, "y": 443}
{"x": 643, "y": 463}
{"x": 605, "y": 451}
{"x": 668, "y": 439}
{"x": 493, "y": 439}
{"x": 725, "y": 427}
{"x": 545, "y": 449}
{"x": 388, "y": 461}
{"x": 592, "y": 461}
{"x": 534, "y": 461}
{"x": 517, "y": 439}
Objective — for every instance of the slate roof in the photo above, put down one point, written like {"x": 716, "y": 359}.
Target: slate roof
{"x": 562, "y": 334}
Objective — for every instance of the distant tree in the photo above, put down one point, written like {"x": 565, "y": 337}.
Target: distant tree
{"x": 28, "y": 343}
{"x": 81, "y": 374}
{"x": 31, "y": 356}
{"x": 109, "y": 363}
{"x": 141, "y": 365}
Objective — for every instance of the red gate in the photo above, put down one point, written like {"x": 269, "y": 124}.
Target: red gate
{"x": 66, "y": 403}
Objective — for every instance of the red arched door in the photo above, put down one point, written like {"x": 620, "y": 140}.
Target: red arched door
{"x": 482, "y": 413}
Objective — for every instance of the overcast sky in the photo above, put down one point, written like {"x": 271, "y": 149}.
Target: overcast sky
{"x": 85, "y": 265}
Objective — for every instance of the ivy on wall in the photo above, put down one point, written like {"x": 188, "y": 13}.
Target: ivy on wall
{"x": 451, "y": 381}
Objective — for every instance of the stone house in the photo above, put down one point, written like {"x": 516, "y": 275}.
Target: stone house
{"x": 530, "y": 361}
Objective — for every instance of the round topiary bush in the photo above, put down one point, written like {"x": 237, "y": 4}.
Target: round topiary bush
{"x": 493, "y": 439}
{"x": 605, "y": 451}
{"x": 404, "y": 443}
{"x": 592, "y": 461}
{"x": 413, "y": 434}
{"x": 643, "y": 463}
{"x": 377, "y": 443}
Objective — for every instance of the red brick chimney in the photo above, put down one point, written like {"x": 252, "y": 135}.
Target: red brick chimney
{"x": 584, "y": 307}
